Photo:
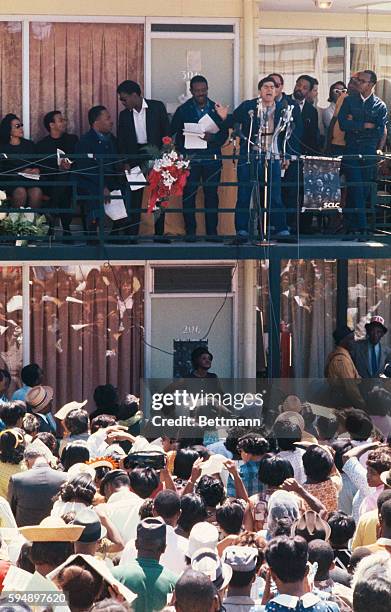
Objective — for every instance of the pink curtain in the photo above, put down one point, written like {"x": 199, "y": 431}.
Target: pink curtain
{"x": 10, "y": 68}
{"x": 74, "y": 66}
{"x": 87, "y": 328}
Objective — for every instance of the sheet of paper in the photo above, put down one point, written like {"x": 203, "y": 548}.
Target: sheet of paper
{"x": 135, "y": 176}
{"x": 208, "y": 125}
{"x": 193, "y": 134}
{"x": 115, "y": 209}
{"x": 59, "y": 158}
{"x": 27, "y": 175}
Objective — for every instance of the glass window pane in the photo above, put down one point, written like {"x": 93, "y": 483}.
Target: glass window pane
{"x": 291, "y": 56}
{"x": 74, "y": 66}
{"x": 375, "y": 53}
{"x": 174, "y": 62}
{"x": 11, "y": 323}
{"x": 11, "y": 73}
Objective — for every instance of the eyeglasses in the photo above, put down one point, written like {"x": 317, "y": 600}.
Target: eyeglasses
{"x": 339, "y": 90}
{"x": 362, "y": 81}
{"x": 18, "y": 125}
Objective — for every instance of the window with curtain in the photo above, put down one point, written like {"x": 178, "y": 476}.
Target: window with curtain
{"x": 375, "y": 54}
{"x": 11, "y": 302}
{"x": 369, "y": 293}
{"x": 74, "y": 66}
{"x": 291, "y": 56}
{"x": 11, "y": 68}
{"x": 87, "y": 328}
{"x": 308, "y": 308}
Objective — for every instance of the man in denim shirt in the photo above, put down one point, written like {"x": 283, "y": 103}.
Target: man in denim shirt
{"x": 363, "y": 119}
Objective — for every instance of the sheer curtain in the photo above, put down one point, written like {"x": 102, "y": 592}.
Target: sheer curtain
{"x": 308, "y": 307}
{"x": 369, "y": 293}
{"x": 11, "y": 322}
{"x": 10, "y": 68}
{"x": 74, "y": 66}
{"x": 87, "y": 328}
{"x": 374, "y": 54}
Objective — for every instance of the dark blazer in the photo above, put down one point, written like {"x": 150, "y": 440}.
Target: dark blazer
{"x": 88, "y": 175}
{"x": 30, "y": 493}
{"x": 360, "y": 356}
{"x": 187, "y": 113}
{"x": 157, "y": 123}
{"x": 311, "y": 136}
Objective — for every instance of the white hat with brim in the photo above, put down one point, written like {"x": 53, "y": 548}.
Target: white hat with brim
{"x": 101, "y": 568}
{"x": 209, "y": 563}
{"x": 52, "y": 529}
{"x": 67, "y": 408}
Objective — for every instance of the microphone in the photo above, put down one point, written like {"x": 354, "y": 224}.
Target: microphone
{"x": 236, "y": 132}
{"x": 251, "y": 113}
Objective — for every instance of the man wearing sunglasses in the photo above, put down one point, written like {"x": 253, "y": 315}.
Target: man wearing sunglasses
{"x": 363, "y": 119}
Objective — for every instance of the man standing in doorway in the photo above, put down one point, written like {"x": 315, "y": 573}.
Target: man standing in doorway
{"x": 141, "y": 123}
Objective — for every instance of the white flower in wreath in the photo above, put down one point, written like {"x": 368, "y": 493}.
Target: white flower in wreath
{"x": 3, "y": 195}
{"x": 3, "y": 215}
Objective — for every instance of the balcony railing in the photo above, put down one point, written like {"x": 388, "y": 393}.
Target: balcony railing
{"x": 324, "y": 223}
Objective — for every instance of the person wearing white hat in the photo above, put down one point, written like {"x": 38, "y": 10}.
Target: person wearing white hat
{"x": 203, "y": 535}
{"x": 244, "y": 561}
{"x": 371, "y": 355}
{"x": 209, "y": 563}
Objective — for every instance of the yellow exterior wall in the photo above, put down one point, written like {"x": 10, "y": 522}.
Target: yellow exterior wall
{"x": 148, "y": 8}
{"x": 325, "y": 21}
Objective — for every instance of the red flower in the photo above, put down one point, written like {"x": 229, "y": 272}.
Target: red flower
{"x": 167, "y": 140}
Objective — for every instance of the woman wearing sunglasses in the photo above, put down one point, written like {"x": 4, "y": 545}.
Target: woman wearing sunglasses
{"x": 13, "y": 143}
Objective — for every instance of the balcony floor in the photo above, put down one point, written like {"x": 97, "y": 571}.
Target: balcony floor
{"x": 308, "y": 247}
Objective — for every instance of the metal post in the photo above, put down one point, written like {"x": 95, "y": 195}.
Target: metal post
{"x": 100, "y": 228}
{"x": 342, "y": 292}
{"x": 274, "y": 360}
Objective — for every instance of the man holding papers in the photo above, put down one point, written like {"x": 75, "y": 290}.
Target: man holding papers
{"x": 199, "y": 134}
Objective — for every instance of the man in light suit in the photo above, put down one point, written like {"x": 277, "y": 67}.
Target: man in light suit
{"x": 31, "y": 493}
{"x": 141, "y": 123}
{"x": 370, "y": 355}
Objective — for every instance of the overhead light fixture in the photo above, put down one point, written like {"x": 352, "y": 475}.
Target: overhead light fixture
{"x": 323, "y": 4}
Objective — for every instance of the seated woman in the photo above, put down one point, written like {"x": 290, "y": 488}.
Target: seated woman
{"x": 13, "y": 143}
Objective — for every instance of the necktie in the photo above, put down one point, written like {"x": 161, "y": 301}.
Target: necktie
{"x": 374, "y": 361}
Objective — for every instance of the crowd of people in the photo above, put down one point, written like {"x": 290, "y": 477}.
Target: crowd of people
{"x": 352, "y": 126}
{"x": 98, "y": 510}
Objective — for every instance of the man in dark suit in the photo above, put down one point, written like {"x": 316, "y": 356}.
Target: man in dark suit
{"x": 207, "y": 165}
{"x": 371, "y": 355}
{"x": 31, "y": 493}
{"x": 142, "y": 122}
{"x": 97, "y": 141}
{"x": 305, "y": 142}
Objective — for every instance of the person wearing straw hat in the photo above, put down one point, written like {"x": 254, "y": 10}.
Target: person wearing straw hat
{"x": 371, "y": 355}
{"x": 39, "y": 400}
{"x": 52, "y": 542}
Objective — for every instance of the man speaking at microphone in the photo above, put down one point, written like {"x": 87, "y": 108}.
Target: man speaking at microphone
{"x": 258, "y": 119}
